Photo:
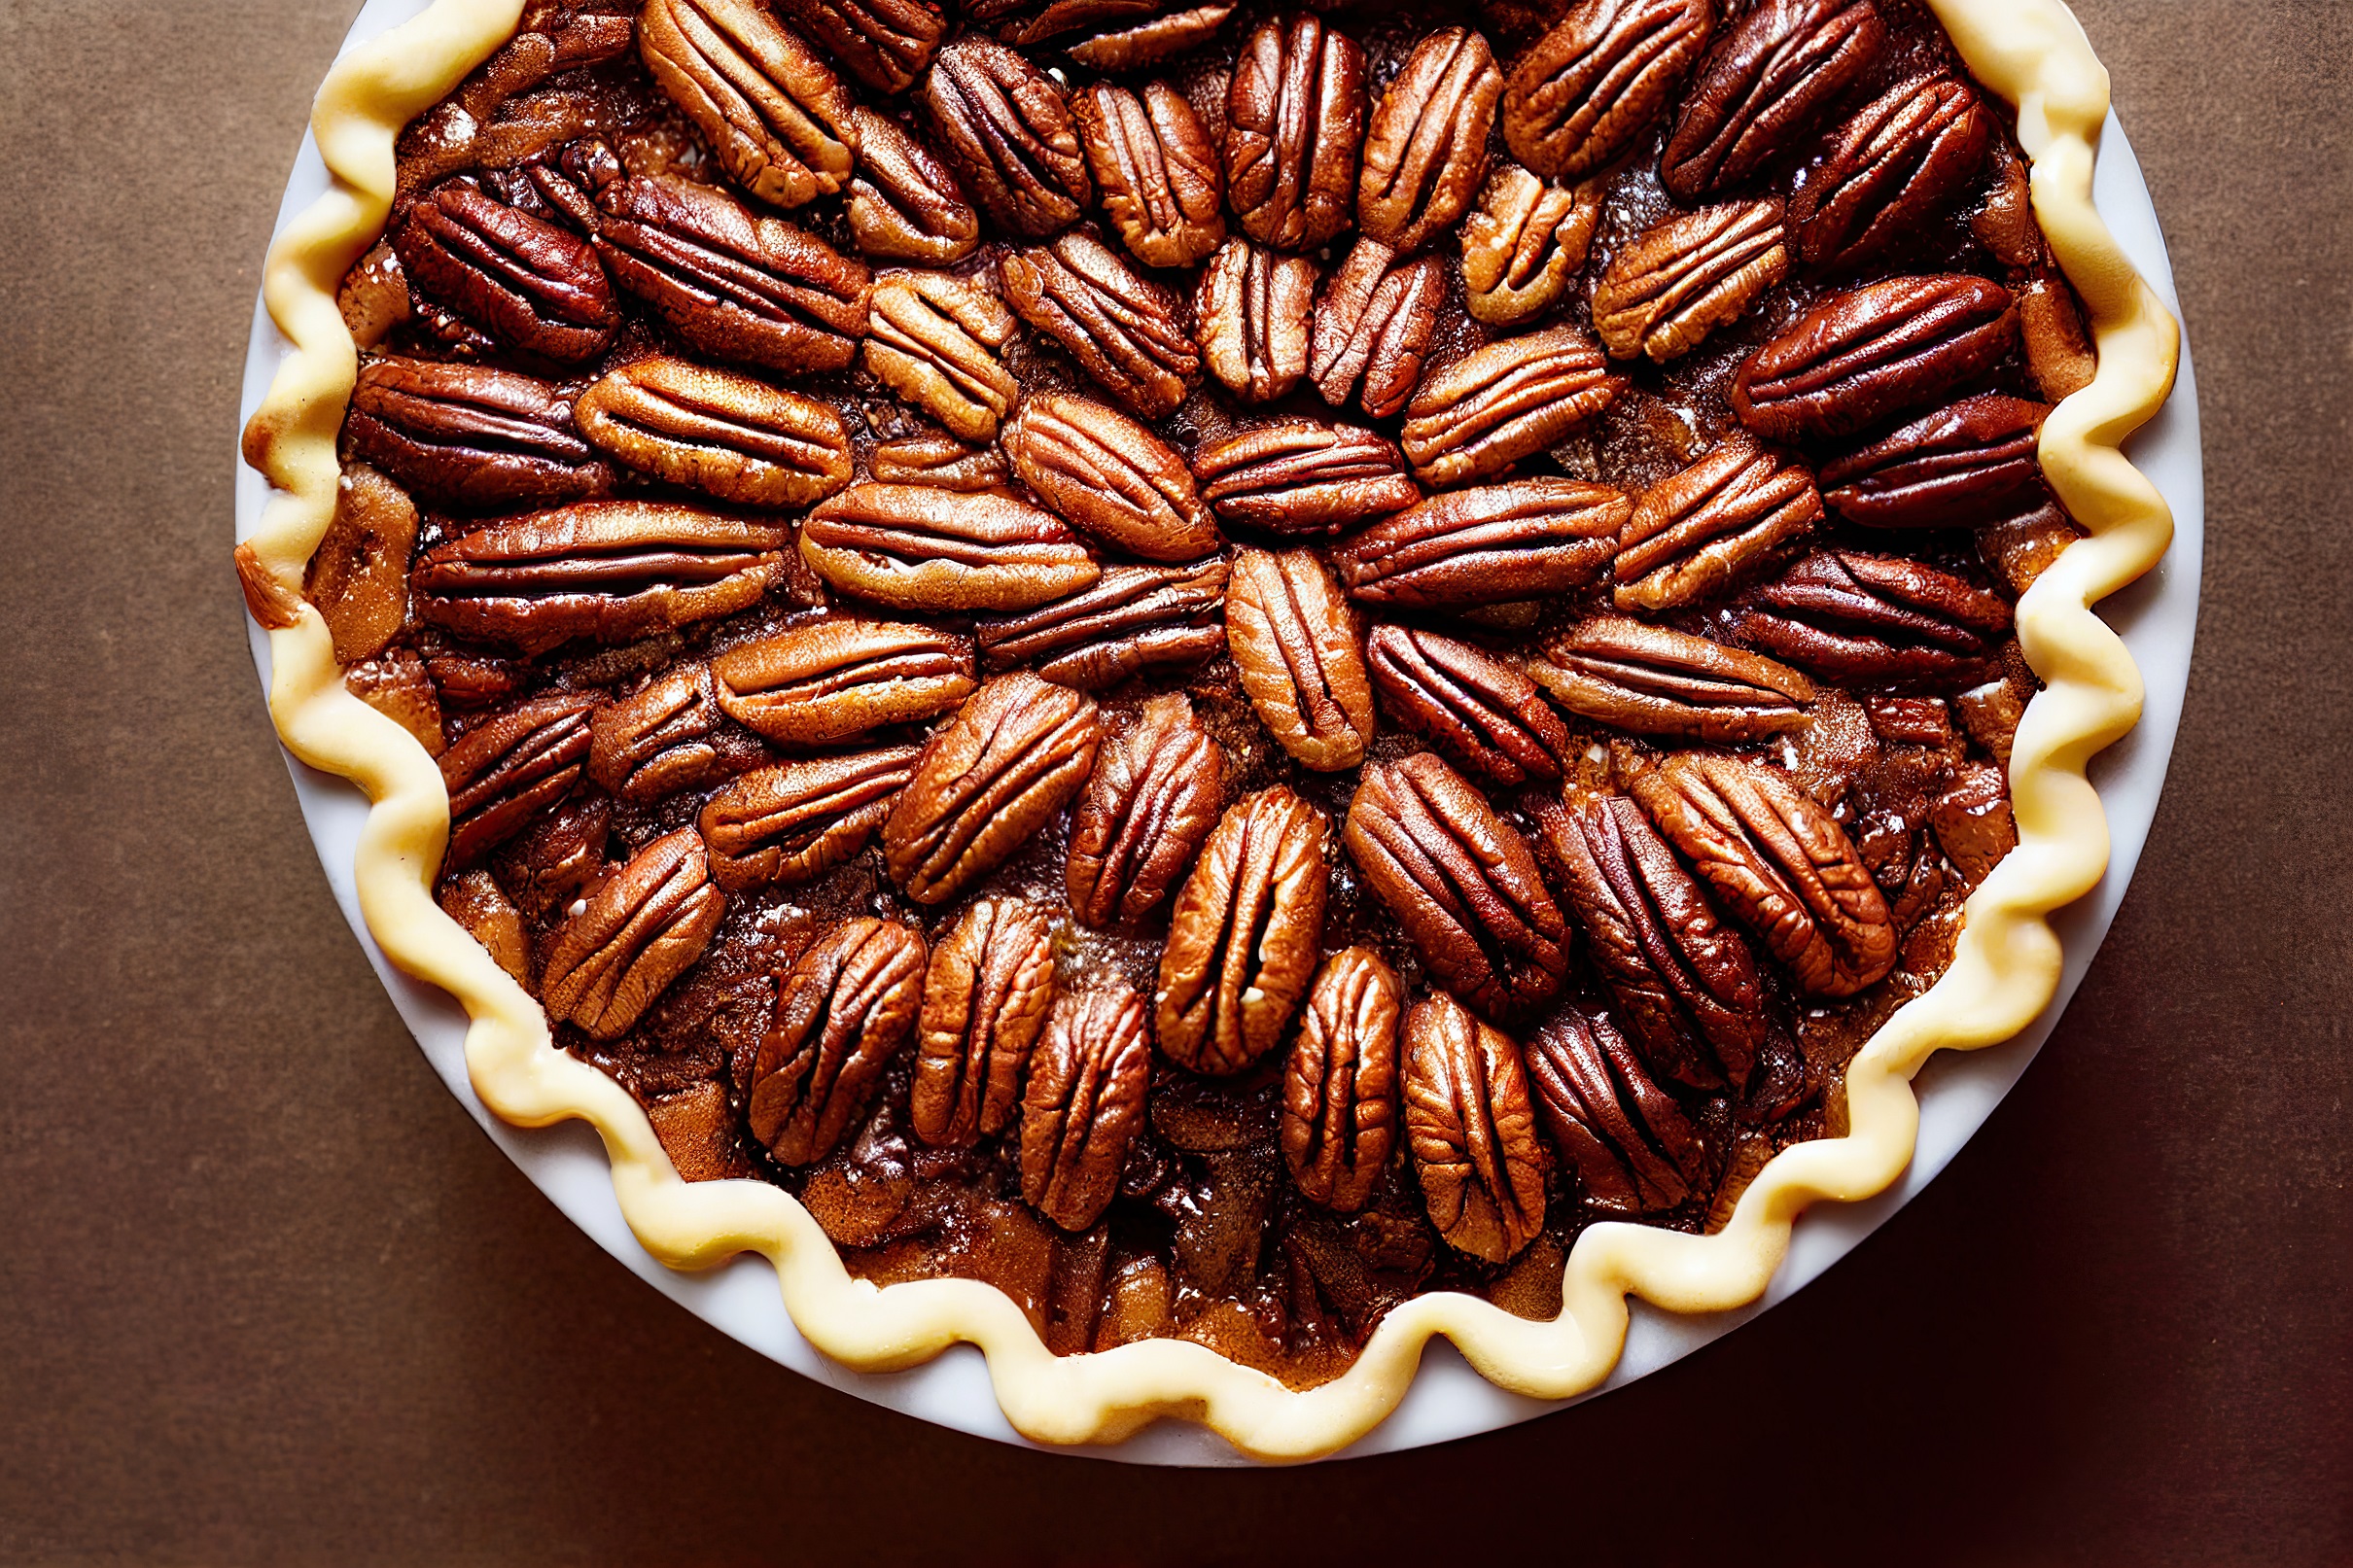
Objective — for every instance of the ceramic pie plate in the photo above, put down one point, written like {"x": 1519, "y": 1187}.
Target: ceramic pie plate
{"x": 2123, "y": 453}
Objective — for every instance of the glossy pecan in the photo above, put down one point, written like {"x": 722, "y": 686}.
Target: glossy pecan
{"x": 1294, "y": 644}
{"x": 1694, "y": 532}
{"x": 470, "y": 435}
{"x": 1972, "y": 463}
{"x": 1294, "y": 122}
{"x": 1860, "y": 356}
{"x": 1154, "y": 797}
{"x": 395, "y": 684}
{"x": 1687, "y": 277}
{"x": 1084, "y": 1103}
{"x": 1473, "y": 1131}
{"x": 1158, "y": 175}
{"x": 1522, "y": 244}
{"x": 989, "y": 781}
{"x": 1878, "y": 620}
{"x": 1110, "y": 477}
{"x": 1765, "y": 84}
{"x": 943, "y": 461}
{"x": 1511, "y": 399}
{"x": 1150, "y": 42}
{"x": 1125, "y": 330}
{"x": 1426, "y": 146}
{"x": 640, "y": 931}
{"x": 1253, "y": 305}
{"x": 904, "y": 203}
{"x": 1026, "y": 22}
{"x": 2061, "y": 356}
{"x": 842, "y": 1009}
{"x": 1133, "y": 618}
{"x": 1461, "y": 882}
{"x": 476, "y": 901}
{"x": 1484, "y": 713}
{"x": 559, "y": 860}
{"x": 1603, "y": 74}
{"x": 986, "y": 998}
{"x": 1008, "y": 132}
{"x": 522, "y": 280}
{"x": 1373, "y": 326}
{"x": 1340, "y": 1085}
{"x": 612, "y": 570}
{"x": 507, "y": 770}
{"x": 883, "y": 44}
{"x": 1304, "y": 477}
{"x": 1973, "y": 822}
{"x": 664, "y": 736}
{"x": 1649, "y": 680}
{"x": 725, "y": 435}
{"x": 936, "y": 341}
{"x": 919, "y": 547}
{"x": 494, "y": 119}
{"x": 1243, "y": 934}
{"x": 1901, "y": 163}
{"x": 1631, "y": 1147}
{"x": 1525, "y": 539}
{"x": 794, "y": 821}
{"x": 769, "y": 108}
{"x": 357, "y": 577}
{"x": 1781, "y": 864}
{"x": 829, "y": 679}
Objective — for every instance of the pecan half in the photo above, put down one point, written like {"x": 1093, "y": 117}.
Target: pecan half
{"x": 1373, "y": 323}
{"x": 1899, "y": 164}
{"x": 985, "y": 1003}
{"x": 1154, "y": 796}
{"x": 1295, "y": 120}
{"x": 1461, "y": 882}
{"x": 1523, "y": 243}
{"x": 1880, "y": 620}
{"x": 943, "y": 461}
{"x": 1650, "y": 681}
{"x": 395, "y": 684}
{"x": 522, "y": 280}
{"x": 1134, "y": 619}
{"x": 1294, "y": 644}
{"x": 1863, "y": 355}
{"x": 664, "y": 736}
{"x": 1765, "y": 84}
{"x": 641, "y": 931}
{"x": 1473, "y": 1131}
{"x": 769, "y": 108}
{"x": 1243, "y": 934}
{"x": 476, "y": 901}
{"x": 795, "y": 821}
{"x": 1687, "y": 277}
{"x": 1252, "y": 306}
{"x": 1340, "y": 1085}
{"x": 1125, "y": 330}
{"x": 1508, "y": 401}
{"x": 725, "y": 435}
{"x": 357, "y": 577}
{"x": 924, "y": 548}
{"x": 1426, "y": 148}
{"x": 1006, "y": 130}
{"x": 1605, "y": 73}
{"x": 904, "y": 203}
{"x": 1084, "y": 1103}
{"x": 936, "y": 341}
{"x": 829, "y": 679}
{"x": 1485, "y": 713}
{"x": 469, "y": 434}
{"x": 507, "y": 770}
{"x": 1779, "y": 862}
{"x": 1970, "y": 464}
{"x": 1694, "y": 532}
{"x": 1973, "y": 822}
{"x": 1026, "y": 22}
{"x": 1304, "y": 477}
{"x": 1148, "y": 43}
{"x": 841, "y": 1010}
{"x": 612, "y": 571}
{"x": 988, "y": 781}
{"x": 1525, "y": 539}
{"x": 1634, "y": 1150}
{"x": 1110, "y": 477}
{"x": 1158, "y": 175}
{"x": 883, "y": 44}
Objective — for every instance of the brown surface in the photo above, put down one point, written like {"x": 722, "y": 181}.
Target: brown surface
{"x": 270, "y": 1297}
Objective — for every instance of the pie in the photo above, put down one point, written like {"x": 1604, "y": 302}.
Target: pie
{"x": 1213, "y": 688}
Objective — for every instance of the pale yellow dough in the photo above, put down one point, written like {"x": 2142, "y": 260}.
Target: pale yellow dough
{"x": 2030, "y": 51}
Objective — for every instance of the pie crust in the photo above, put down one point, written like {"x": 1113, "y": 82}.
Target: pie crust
{"x": 2004, "y": 970}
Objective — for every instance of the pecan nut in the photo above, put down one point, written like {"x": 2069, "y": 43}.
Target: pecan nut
{"x": 665, "y": 737}
{"x": 1124, "y": 330}
{"x": 1295, "y": 646}
{"x": 1973, "y": 821}
{"x": 1461, "y": 882}
{"x": 1877, "y": 620}
{"x": 769, "y": 108}
{"x": 1294, "y": 122}
{"x": 1134, "y": 619}
{"x": 1243, "y": 934}
{"x": 1373, "y": 324}
{"x": 1523, "y": 243}
{"x": 1110, "y": 477}
{"x": 1687, "y": 277}
{"x": 1084, "y": 1103}
{"x": 725, "y": 435}
{"x": 1508, "y": 401}
{"x": 921, "y": 547}
{"x": 470, "y": 435}
{"x": 641, "y": 931}
{"x": 1525, "y": 539}
{"x": 1967, "y": 464}
{"x": 1472, "y": 1129}
{"x": 936, "y": 340}
{"x": 1633, "y": 1149}
{"x": 1025, "y": 22}
{"x": 794, "y": 823}
{"x": 842, "y": 1009}
{"x": 1598, "y": 79}
{"x": 1340, "y": 1085}
{"x": 507, "y": 770}
{"x": 989, "y": 780}
{"x": 943, "y": 461}
{"x": 1485, "y": 713}
{"x": 1154, "y": 797}
{"x": 1426, "y": 148}
{"x": 830, "y": 680}
{"x": 1860, "y": 356}
{"x": 1694, "y": 532}
{"x": 1764, "y": 85}
{"x": 1304, "y": 477}
{"x": 1150, "y": 42}
{"x": 357, "y": 577}
{"x": 520, "y": 279}
{"x": 904, "y": 203}
{"x": 986, "y": 998}
{"x": 1781, "y": 864}
{"x": 1158, "y": 175}
{"x": 1006, "y": 130}
{"x": 884, "y": 44}
{"x": 1897, "y": 165}
{"x": 1253, "y": 305}
{"x": 1649, "y": 680}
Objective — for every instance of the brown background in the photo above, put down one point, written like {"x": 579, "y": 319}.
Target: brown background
{"x": 267, "y": 1295}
